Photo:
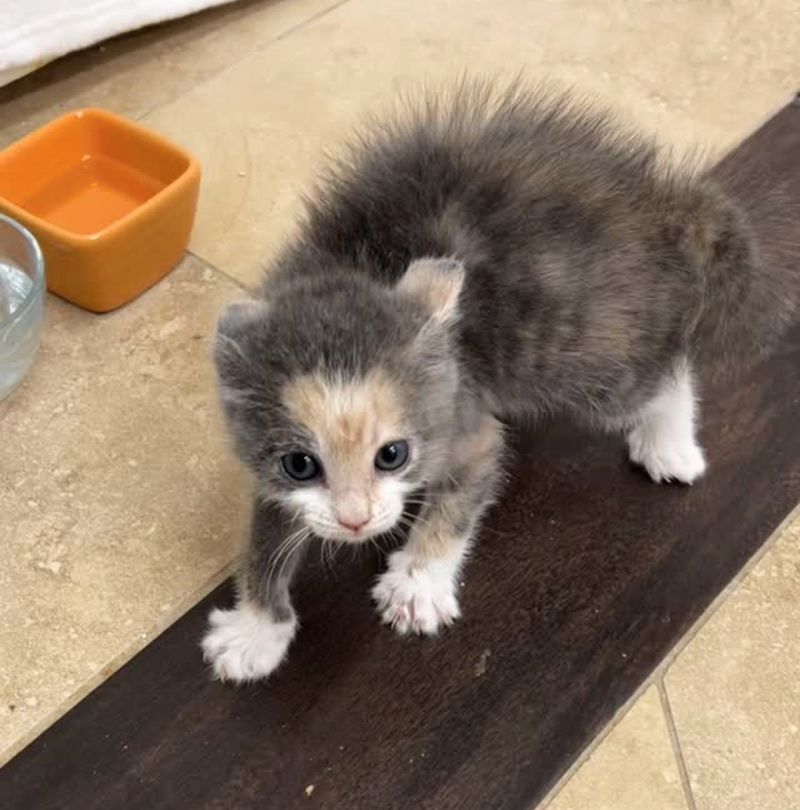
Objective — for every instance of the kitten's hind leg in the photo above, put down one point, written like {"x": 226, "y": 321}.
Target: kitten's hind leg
{"x": 417, "y": 593}
{"x": 249, "y": 642}
{"x": 663, "y": 437}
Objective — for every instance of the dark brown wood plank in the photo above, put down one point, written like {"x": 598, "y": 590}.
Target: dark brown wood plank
{"x": 587, "y": 575}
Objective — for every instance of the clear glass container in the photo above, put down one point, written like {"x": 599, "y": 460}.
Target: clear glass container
{"x": 21, "y": 302}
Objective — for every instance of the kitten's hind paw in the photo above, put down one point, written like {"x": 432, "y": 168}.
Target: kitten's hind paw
{"x": 245, "y": 644}
{"x": 416, "y": 598}
{"x": 666, "y": 458}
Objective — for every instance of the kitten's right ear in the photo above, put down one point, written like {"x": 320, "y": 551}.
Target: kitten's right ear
{"x": 234, "y": 324}
{"x": 239, "y": 316}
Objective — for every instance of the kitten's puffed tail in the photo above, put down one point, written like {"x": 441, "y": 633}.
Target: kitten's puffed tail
{"x": 741, "y": 236}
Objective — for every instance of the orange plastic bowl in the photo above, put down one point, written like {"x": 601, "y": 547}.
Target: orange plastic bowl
{"x": 111, "y": 203}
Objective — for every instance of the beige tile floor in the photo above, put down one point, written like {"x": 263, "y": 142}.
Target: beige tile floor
{"x": 633, "y": 768}
{"x": 120, "y": 505}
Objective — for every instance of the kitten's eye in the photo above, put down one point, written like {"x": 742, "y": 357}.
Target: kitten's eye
{"x": 301, "y": 466}
{"x": 392, "y": 456}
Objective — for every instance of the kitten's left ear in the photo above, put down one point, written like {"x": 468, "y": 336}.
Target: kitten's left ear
{"x": 436, "y": 284}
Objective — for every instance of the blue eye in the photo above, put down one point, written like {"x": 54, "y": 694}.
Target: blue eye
{"x": 301, "y": 466}
{"x": 392, "y": 456}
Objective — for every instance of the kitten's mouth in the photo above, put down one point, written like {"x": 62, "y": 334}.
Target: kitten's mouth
{"x": 358, "y": 535}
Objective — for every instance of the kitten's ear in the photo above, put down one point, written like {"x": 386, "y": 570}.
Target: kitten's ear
{"x": 436, "y": 284}
{"x": 240, "y": 315}
{"x": 235, "y": 324}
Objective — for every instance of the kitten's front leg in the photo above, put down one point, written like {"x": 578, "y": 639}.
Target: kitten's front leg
{"x": 417, "y": 593}
{"x": 250, "y": 641}
{"x": 663, "y": 437}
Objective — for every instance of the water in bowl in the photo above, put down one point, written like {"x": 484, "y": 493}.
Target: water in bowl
{"x": 19, "y": 332}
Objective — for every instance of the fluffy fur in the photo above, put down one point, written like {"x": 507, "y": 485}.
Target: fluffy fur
{"x": 480, "y": 258}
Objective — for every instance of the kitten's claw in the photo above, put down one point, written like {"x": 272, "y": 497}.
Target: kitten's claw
{"x": 245, "y": 644}
{"x": 416, "y": 599}
{"x": 665, "y": 458}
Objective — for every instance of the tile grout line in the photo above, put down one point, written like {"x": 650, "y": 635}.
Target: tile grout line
{"x": 289, "y": 31}
{"x": 263, "y": 46}
{"x": 227, "y": 276}
{"x": 677, "y": 751}
{"x": 666, "y": 662}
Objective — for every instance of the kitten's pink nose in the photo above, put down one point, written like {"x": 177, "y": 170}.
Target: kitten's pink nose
{"x": 352, "y": 525}
{"x": 352, "y": 511}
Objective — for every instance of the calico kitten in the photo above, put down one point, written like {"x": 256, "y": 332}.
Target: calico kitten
{"x": 483, "y": 258}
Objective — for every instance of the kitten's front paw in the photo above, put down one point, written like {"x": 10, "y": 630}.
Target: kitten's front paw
{"x": 418, "y": 599}
{"x": 666, "y": 458}
{"x": 245, "y": 644}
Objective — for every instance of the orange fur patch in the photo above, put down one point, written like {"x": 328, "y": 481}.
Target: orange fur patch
{"x": 350, "y": 419}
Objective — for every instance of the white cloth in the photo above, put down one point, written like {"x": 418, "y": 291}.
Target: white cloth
{"x": 35, "y": 31}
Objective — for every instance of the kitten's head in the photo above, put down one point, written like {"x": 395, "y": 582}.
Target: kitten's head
{"x": 340, "y": 393}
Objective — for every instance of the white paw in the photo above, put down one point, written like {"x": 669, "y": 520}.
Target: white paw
{"x": 245, "y": 644}
{"x": 418, "y": 599}
{"x": 666, "y": 458}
